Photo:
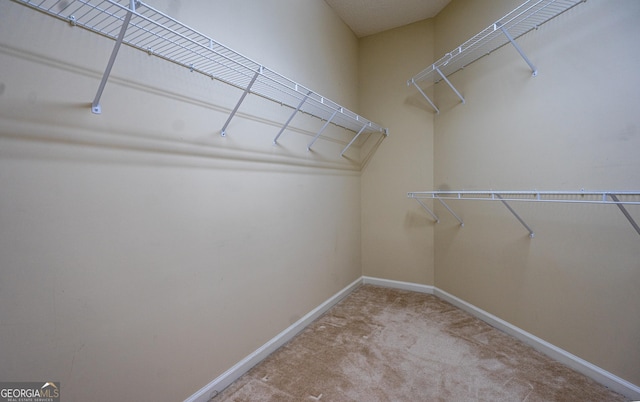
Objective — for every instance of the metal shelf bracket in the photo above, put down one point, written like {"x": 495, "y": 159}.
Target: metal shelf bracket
{"x": 275, "y": 140}
{"x": 223, "y": 132}
{"x": 354, "y": 139}
{"x": 433, "y": 105}
{"x": 95, "y": 105}
{"x": 426, "y": 208}
{"x": 451, "y": 211}
{"x": 624, "y": 211}
{"x": 506, "y": 204}
{"x": 313, "y": 141}
{"x": 534, "y": 70}
{"x": 444, "y": 77}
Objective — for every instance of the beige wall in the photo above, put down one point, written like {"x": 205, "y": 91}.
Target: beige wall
{"x": 397, "y": 237}
{"x": 573, "y": 126}
{"x": 141, "y": 254}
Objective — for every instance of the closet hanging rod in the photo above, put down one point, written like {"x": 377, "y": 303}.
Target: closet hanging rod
{"x": 526, "y": 17}
{"x": 158, "y": 34}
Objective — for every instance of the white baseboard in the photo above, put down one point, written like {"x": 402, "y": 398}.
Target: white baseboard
{"x": 225, "y": 379}
{"x": 388, "y": 283}
{"x": 604, "y": 377}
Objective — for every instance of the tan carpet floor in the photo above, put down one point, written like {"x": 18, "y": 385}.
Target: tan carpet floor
{"x": 381, "y": 344}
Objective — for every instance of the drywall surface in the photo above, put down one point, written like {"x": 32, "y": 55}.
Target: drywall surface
{"x": 575, "y": 125}
{"x": 142, "y": 254}
{"x": 397, "y": 237}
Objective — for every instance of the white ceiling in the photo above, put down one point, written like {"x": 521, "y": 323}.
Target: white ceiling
{"x": 367, "y": 17}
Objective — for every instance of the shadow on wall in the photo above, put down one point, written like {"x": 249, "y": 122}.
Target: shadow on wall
{"x": 143, "y": 111}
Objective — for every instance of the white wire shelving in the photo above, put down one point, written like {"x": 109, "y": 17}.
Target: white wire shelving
{"x": 528, "y": 16}
{"x": 617, "y": 198}
{"x": 140, "y": 26}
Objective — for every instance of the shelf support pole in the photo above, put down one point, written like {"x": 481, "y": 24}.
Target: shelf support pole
{"x": 450, "y": 210}
{"x": 426, "y": 208}
{"x": 625, "y": 212}
{"x": 534, "y": 70}
{"x": 95, "y": 105}
{"x": 531, "y": 234}
{"x": 275, "y": 140}
{"x": 444, "y": 77}
{"x": 223, "y": 132}
{"x": 353, "y": 139}
{"x": 322, "y": 129}
{"x": 425, "y": 96}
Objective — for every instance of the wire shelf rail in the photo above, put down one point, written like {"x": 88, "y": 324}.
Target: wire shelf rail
{"x": 617, "y": 198}
{"x": 526, "y": 17}
{"x": 140, "y": 26}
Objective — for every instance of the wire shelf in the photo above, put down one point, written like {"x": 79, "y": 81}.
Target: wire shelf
{"x": 160, "y": 35}
{"x": 528, "y": 16}
{"x": 580, "y": 197}
{"x": 617, "y": 198}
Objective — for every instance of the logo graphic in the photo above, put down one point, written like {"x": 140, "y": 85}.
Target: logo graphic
{"x": 50, "y": 388}
{"x": 29, "y": 391}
